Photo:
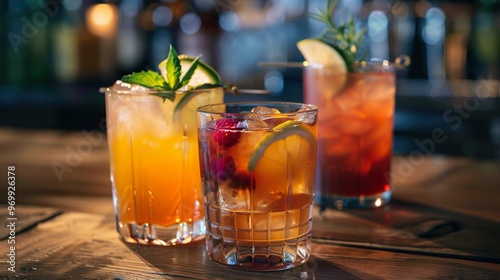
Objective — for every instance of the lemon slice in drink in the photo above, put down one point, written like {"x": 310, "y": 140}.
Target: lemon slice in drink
{"x": 290, "y": 141}
{"x": 318, "y": 52}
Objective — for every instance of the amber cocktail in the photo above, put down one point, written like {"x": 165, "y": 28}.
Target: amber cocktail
{"x": 258, "y": 169}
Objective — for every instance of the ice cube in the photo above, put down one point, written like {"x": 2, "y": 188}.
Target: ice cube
{"x": 233, "y": 199}
{"x": 264, "y": 110}
{"x": 261, "y": 114}
{"x": 272, "y": 201}
{"x": 253, "y": 124}
{"x": 210, "y": 198}
{"x": 350, "y": 99}
{"x": 380, "y": 89}
{"x": 352, "y": 125}
{"x": 272, "y": 122}
{"x": 123, "y": 114}
{"x": 307, "y": 116}
{"x": 341, "y": 146}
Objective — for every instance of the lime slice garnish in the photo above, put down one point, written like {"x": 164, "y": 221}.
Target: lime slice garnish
{"x": 204, "y": 74}
{"x": 318, "y": 52}
{"x": 290, "y": 136}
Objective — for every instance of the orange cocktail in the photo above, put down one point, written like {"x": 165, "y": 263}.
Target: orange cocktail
{"x": 355, "y": 133}
{"x": 154, "y": 164}
{"x": 258, "y": 170}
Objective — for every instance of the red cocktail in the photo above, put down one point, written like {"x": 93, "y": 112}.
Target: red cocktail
{"x": 355, "y": 133}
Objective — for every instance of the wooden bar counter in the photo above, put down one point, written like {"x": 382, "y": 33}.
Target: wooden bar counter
{"x": 443, "y": 222}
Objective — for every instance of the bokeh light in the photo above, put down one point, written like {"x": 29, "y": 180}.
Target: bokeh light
{"x": 190, "y": 23}
{"x": 377, "y": 26}
{"x": 130, "y": 8}
{"x": 434, "y": 29}
{"x": 273, "y": 82}
{"x": 229, "y": 21}
{"x": 162, "y": 16}
{"x": 102, "y": 20}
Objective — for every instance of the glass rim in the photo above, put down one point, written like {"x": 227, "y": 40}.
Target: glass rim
{"x": 306, "y": 107}
{"x": 379, "y": 65}
{"x": 401, "y": 62}
{"x": 148, "y": 91}
{"x": 359, "y": 67}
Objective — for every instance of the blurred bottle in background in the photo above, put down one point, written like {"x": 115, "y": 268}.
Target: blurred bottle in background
{"x": 84, "y": 41}
{"x": 484, "y": 41}
{"x": 16, "y": 51}
{"x": 61, "y": 51}
{"x": 3, "y": 45}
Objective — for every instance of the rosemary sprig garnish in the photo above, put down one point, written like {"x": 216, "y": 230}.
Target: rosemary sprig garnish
{"x": 344, "y": 37}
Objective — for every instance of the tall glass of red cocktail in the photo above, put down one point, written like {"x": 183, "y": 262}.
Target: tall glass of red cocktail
{"x": 355, "y": 133}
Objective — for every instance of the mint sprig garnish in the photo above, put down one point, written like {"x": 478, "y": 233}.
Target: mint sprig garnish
{"x": 173, "y": 67}
{"x": 148, "y": 78}
{"x": 166, "y": 88}
{"x": 343, "y": 37}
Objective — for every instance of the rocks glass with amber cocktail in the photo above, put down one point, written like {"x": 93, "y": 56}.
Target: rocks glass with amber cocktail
{"x": 258, "y": 168}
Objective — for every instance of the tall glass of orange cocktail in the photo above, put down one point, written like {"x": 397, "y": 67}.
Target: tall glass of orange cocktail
{"x": 153, "y": 146}
{"x": 258, "y": 167}
{"x": 355, "y": 133}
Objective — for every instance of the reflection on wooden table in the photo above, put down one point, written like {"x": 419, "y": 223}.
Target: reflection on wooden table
{"x": 444, "y": 222}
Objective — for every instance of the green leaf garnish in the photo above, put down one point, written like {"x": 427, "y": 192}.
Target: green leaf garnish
{"x": 173, "y": 68}
{"x": 166, "y": 88}
{"x": 344, "y": 37}
{"x": 148, "y": 78}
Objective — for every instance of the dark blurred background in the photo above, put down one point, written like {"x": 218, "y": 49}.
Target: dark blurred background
{"x": 55, "y": 55}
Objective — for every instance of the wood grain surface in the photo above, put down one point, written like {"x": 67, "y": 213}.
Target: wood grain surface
{"x": 85, "y": 246}
{"x": 443, "y": 222}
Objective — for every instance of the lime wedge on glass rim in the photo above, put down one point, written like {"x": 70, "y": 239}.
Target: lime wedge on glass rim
{"x": 294, "y": 135}
{"x": 318, "y": 52}
{"x": 330, "y": 61}
{"x": 204, "y": 74}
